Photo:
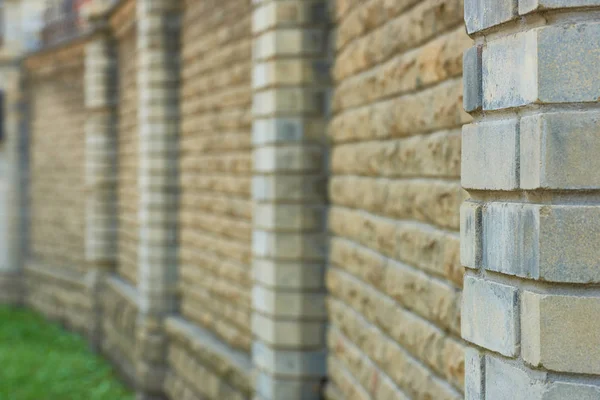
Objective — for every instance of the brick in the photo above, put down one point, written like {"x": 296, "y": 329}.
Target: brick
{"x": 559, "y": 149}
{"x": 289, "y": 217}
{"x": 287, "y": 129}
{"x": 289, "y": 363}
{"x": 289, "y": 42}
{"x": 270, "y": 388}
{"x": 484, "y": 14}
{"x": 527, "y": 240}
{"x": 472, "y": 83}
{"x": 544, "y": 65}
{"x": 300, "y": 305}
{"x": 288, "y": 274}
{"x": 560, "y": 332}
{"x": 490, "y": 155}
{"x": 579, "y": 391}
{"x": 290, "y": 334}
{"x": 527, "y": 6}
{"x": 282, "y": 101}
{"x": 290, "y": 158}
{"x": 307, "y": 188}
{"x": 289, "y": 246}
{"x": 471, "y": 233}
{"x": 490, "y": 315}
{"x": 505, "y": 381}
{"x": 474, "y": 374}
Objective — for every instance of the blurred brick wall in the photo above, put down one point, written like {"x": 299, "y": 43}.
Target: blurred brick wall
{"x": 395, "y": 276}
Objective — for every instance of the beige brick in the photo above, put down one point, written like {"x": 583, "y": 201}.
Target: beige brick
{"x": 559, "y": 332}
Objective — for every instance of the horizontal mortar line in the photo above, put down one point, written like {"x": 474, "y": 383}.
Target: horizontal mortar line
{"x": 455, "y": 129}
{"x": 302, "y": 55}
{"x": 285, "y": 290}
{"x": 398, "y": 178}
{"x": 409, "y": 94}
{"x": 557, "y": 197}
{"x": 409, "y": 310}
{"x": 543, "y": 18}
{"x": 534, "y": 109}
{"x": 288, "y": 318}
{"x": 539, "y": 286}
{"x": 435, "y": 375}
{"x": 271, "y": 87}
{"x": 279, "y": 26}
{"x": 401, "y": 179}
{"x": 553, "y": 376}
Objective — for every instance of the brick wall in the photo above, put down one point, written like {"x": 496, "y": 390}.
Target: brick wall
{"x": 395, "y": 276}
{"x": 128, "y": 193}
{"x": 209, "y": 346}
{"x": 120, "y": 300}
{"x": 56, "y": 267}
{"x": 215, "y": 168}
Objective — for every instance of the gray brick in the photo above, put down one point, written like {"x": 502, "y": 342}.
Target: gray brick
{"x": 472, "y": 85}
{"x": 470, "y": 234}
{"x": 474, "y": 374}
{"x": 490, "y": 315}
{"x": 483, "y": 14}
{"x": 571, "y": 391}
{"x": 528, "y": 240}
{"x": 270, "y": 388}
{"x": 490, "y": 155}
{"x": 558, "y": 150}
{"x": 555, "y": 64}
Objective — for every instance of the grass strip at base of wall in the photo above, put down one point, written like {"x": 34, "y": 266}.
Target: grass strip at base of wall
{"x": 41, "y": 361}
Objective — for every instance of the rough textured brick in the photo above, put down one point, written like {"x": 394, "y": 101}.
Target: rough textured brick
{"x": 559, "y": 332}
{"x": 490, "y": 315}
{"x": 526, "y": 240}
{"x": 215, "y": 167}
{"x": 559, "y": 149}
{"x": 483, "y": 14}
{"x": 490, "y": 155}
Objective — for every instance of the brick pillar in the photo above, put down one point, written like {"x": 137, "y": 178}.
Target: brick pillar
{"x": 290, "y": 79}
{"x": 158, "y": 25}
{"x": 101, "y": 171}
{"x": 530, "y": 232}
{"x": 16, "y": 149}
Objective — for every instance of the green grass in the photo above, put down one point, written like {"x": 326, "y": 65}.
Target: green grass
{"x": 40, "y": 361}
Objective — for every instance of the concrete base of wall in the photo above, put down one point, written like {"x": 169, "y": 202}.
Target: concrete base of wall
{"x": 202, "y": 367}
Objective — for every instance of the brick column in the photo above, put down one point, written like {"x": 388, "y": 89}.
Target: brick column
{"x": 290, "y": 78}
{"x": 530, "y": 233}
{"x": 158, "y": 25}
{"x": 16, "y": 148}
{"x": 101, "y": 171}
